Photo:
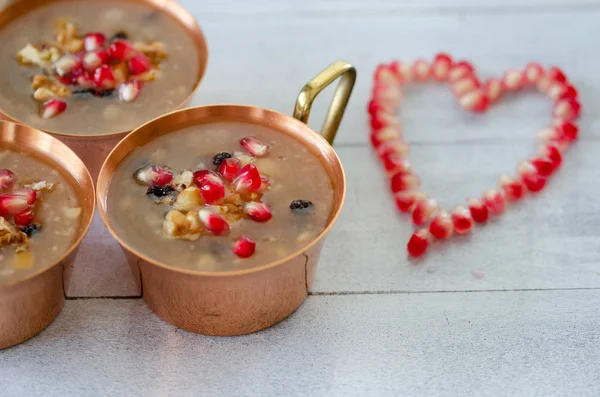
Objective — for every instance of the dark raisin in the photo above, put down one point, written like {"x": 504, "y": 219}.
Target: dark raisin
{"x": 218, "y": 159}
{"x": 119, "y": 36}
{"x": 301, "y": 206}
{"x": 103, "y": 93}
{"x": 160, "y": 191}
{"x": 30, "y": 230}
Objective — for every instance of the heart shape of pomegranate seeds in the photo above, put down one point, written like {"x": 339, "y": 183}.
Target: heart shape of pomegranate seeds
{"x": 475, "y": 96}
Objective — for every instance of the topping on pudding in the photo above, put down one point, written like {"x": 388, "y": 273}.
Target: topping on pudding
{"x": 301, "y": 206}
{"x": 89, "y": 64}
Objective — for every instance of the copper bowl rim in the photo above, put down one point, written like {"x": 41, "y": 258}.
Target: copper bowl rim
{"x": 102, "y": 211}
{"x": 179, "y": 14}
{"x": 85, "y": 227}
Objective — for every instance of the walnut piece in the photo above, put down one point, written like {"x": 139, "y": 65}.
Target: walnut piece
{"x": 155, "y": 51}
{"x": 11, "y": 235}
{"x": 42, "y": 186}
{"x": 183, "y": 227}
{"x": 188, "y": 200}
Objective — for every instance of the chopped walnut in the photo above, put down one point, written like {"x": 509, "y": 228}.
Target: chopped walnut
{"x": 148, "y": 76}
{"x": 155, "y": 51}
{"x": 46, "y": 88}
{"x": 67, "y": 37}
{"x": 11, "y": 235}
{"x": 183, "y": 180}
{"x": 184, "y": 227}
{"x": 42, "y": 186}
{"x": 29, "y": 56}
{"x": 188, "y": 200}
{"x": 121, "y": 72}
{"x": 43, "y": 94}
{"x": 39, "y": 81}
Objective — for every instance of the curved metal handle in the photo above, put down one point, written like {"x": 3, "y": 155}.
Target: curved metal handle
{"x": 340, "y": 97}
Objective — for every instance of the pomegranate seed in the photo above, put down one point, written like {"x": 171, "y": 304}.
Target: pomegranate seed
{"x": 374, "y": 106}
{"x": 552, "y": 152}
{"x": 402, "y": 71}
{"x": 548, "y": 134}
{"x": 474, "y": 101}
{"x": 84, "y": 79}
{"x": 67, "y": 64}
{"x": 387, "y": 94}
{"x": 567, "y": 131}
{"x": 493, "y": 90}
{"x": 94, "y": 41}
{"x": 139, "y": 64}
{"x": 385, "y": 135}
{"x": 441, "y": 66}
{"x": 200, "y": 176}
{"x": 386, "y": 148}
{"x": 53, "y": 108}
{"x": 555, "y": 74}
{"x": 479, "y": 211}
{"x": 104, "y": 78}
{"x": 403, "y": 181}
{"x": 543, "y": 84}
{"x": 121, "y": 50}
{"x": 130, "y": 90}
{"x": 248, "y": 179}
{"x": 394, "y": 163}
{"x": 23, "y": 218}
{"x": 531, "y": 177}
{"x": 230, "y": 168}
{"x": 259, "y": 212}
{"x": 567, "y": 109}
{"x": 93, "y": 60}
{"x": 212, "y": 190}
{"x": 462, "y": 220}
{"x": 513, "y": 80}
{"x": 11, "y": 204}
{"x": 424, "y": 211}
{"x": 406, "y": 201}
{"x": 29, "y": 194}
{"x": 418, "y": 243}
{"x": 556, "y": 90}
{"x": 7, "y": 179}
{"x": 153, "y": 175}
{"x": 244, "y": 247}
{"x": 513, "y": 188}
{"x": 265, "y": 185}
{"x": 494, "y": 201}
{"x": 383, "y": 73}
{"x": 460, "y": 70}
{"x": 381, "y": 120}
{"x": 441, "y": 226}
{"x": 254, "y": 146}
{"x": 213, "y": 222}
{"x": 569, "y": 92}
{"x": 421, "y": 70}
{"x": 465, "y": 85}
{"x": 533, "y": 73}
{"x": 543, "y": 165}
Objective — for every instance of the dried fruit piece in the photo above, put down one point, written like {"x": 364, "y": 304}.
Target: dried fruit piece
{"x": 494, "y": 201}
{"x": 259, "y": 212}
{"x": 28, "y": 193}
{"x": 248, "y": 179}
{"x": 31, "y": 229}
{"x": 462, "y": 220}
{"x": 53, "y": 108}
{"x": 301, "y": 207}
{"x": 403, "y": 181}
{"x": 130, "y": 91}
{"x": 23, "y": 218}
{"x": 213, "y": 222}
{"x": 406, "y": 201}
{"x": 230, "y": 168}
{"x": 139, "y": 64}
{"x": 513, "y": 188}
{"x": 441, "y": 226}
{"x": 94, "y": 41}
{"x": 244, "y": 247}
{"x": 254, "y": 146}
{"x": 7, "y": 179}
{"x": 11, "y": 204}
{"x": 160, "y": 192}
{"x": 153, "y": 175}
{"x": 121, "y": 50}
{"x": 219, "y": 157}
{"x": 478, "y": 210}
{"x": 424, "y": 211}
{"x": 418, "y": 243}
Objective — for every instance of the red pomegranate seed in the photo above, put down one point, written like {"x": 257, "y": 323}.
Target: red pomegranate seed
{"x": 11, "y": 204}
{"x": 569, "y": 92}
{"x": 244, "y": 247}
{"x": 121, "y": 50}
{"x": 248, "y": 179}
{"x": 386, "y": 148}
{"x": 254, "y": 146}
{"x": 139, "y": 64}
{"x": 460, "y": 70}
{"x": 230, "y": 168}
{"x": 213, "y": 222}
{"x": 84, "y": 79}
{"x": 200, "y": 176}
{"x": 567, "y": 131}
{"x": 385, "y": 135}
{"x": 543, "y": 84}
{"x": 375, "y": 106}
{"x": 555, "y": 74}
{"x": 29, "y": 194}
{"x": 53, "y": 108}
{"x": 533, "y": 73}
{"x": 556, "y": 90}
{"x": 212, "y": 190}
{"x": 531, "y": 177}
{"x": 265, "y": 185}
{"x": 479, "y": 211}
{"x": 513, "y": 188}
{"x": 552, "y": 152}
{"x": 462, "y": 220}
{"x": 383, "y": 73}
{"x": 394, "y": 163}
{"x": 494, "y": 201}
{"x": 544, "y": 166}
{"x": 380, "y": 121}
{"x": 389, "y": 95}
{"x": 513, "y": 80}
{"x": 421, "y": 70}
{"x": 465, "y": 85}
{"x": 23, "y": 218}
{"x": 441, "y": 66}
{"x": 567, "y": 109}
{"x": 493, "y": 90}
{"x": 474, "y": 101}
{"x": 441, "y": 226}
{"x": 94, "y": 41}
{"x": 418, "y": 243}
{"x": 130, "y": 90}
{"x": 406, "y": 201}
{"x": 403, "y": 181}
{"x": 153, "y": 175}
{"x": 402, "y": 71}
{"x": 424, "y": 211}
{"x": 7, "y": 179}
{"x": 104, "y": 78}
{"x": 259, "y": 212}
{"x": 67, "y": 64}
{"x": 93, "y": 60}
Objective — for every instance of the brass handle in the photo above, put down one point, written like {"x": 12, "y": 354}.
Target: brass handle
{"x": 340, "y": 97}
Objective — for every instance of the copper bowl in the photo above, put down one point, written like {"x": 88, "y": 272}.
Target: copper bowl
{"x": 244, "y": 301}
{"x": 93, "y": 149}
{"x": 29, "y": 305}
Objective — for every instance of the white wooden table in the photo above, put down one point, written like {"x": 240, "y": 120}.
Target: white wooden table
{"x": 377, "y": 324}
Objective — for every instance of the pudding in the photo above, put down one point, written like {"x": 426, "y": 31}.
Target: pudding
{"x": 219, "y": 197}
